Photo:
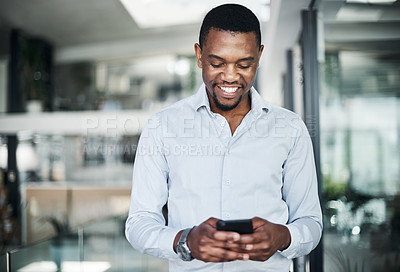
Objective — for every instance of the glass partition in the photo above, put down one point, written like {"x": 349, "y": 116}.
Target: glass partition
{"x": 46, "y": 256}
{"x": 360, "y": 135}
{"x": 147, "y": 82}
{"x": 104, "y": 244}
{"x": 92, "y": 159}
{"x": 98, "y": 246}
{"x": 3, "y": 262}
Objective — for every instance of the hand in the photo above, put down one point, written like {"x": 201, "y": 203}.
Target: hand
{"x": 266, "y": 239}
{"x": 209, "y": 245}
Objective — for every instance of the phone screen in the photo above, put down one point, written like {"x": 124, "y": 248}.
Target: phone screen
{"x": 244, "y": 226}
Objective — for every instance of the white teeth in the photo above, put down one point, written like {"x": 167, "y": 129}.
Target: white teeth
{"x": 229, "y": 89}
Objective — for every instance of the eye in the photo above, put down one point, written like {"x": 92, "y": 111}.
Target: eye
{"x": 216, "y": 65}
{"x": 243, "y": 66}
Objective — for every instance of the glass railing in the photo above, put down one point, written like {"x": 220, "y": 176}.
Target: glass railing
{"x": 3, "y": 262}
{"x": 95, "y": 247}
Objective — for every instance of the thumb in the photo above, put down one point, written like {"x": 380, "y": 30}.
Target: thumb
{"x": 212, "y": 221}
{"x": 258, "y": 222}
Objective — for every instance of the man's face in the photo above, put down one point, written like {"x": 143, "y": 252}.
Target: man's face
{"x": 229, "y": 62}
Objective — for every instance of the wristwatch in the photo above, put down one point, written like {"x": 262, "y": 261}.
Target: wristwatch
{"x": 182, "y": 248}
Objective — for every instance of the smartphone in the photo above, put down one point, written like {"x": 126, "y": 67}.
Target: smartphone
{"x": 243, "y": 226}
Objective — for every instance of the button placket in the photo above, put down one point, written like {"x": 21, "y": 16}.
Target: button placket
{"x": 226, "y": 183}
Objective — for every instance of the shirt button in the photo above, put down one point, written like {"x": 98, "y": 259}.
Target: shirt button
{"x": 228, "y": 182}
{"x": 222, "y": 124}
{"x": 227, "y": 215}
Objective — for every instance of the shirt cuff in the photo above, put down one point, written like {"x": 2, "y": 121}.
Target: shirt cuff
{"x": 167, "y": 243}
{"x": 290, "y": 252}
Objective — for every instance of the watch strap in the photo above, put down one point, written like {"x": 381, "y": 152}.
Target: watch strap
{"x": 183, "y": 243}
{"x": 184, "y": 235}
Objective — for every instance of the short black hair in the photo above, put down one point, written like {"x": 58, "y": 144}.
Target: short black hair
{"x": 230, "y": 17}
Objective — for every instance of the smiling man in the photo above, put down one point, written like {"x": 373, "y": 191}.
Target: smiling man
{"x": 229, "y": 61}
{"x": 221, "y": 154}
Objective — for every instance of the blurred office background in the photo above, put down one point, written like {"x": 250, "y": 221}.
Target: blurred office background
{"x": 78, "y": 80}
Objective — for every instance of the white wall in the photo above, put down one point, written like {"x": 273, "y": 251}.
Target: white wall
{"x": 282, "y": 34}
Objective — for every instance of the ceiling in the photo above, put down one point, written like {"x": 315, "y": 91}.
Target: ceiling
{"x": 103, "y": 29}
{"x": 354, "y": 26}
{"x": 71, "y": 22}
{"x": 95, "y": 30}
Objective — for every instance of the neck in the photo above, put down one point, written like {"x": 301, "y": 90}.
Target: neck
{"x": 239, "y": 111}
{"x": 236, "y": 115}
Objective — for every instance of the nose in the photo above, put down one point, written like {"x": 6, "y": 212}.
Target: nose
{"x": 230, "y": 73}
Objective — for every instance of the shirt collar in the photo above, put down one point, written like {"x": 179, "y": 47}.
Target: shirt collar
{"x": 258, "y": 104}
{"x": 201, "y": 98}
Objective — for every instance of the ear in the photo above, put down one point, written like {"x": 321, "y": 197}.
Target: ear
{"x": 197, "y": 50}
{"x": 260, "y": 53}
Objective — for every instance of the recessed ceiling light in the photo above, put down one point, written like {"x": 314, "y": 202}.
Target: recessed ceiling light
{"x": 372, "y": 1}
{"x": 353, "y": 14}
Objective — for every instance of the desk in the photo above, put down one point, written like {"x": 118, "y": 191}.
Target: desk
{"x": 69, "y": 203}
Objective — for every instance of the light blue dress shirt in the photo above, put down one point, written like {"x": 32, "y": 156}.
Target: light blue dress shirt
{"x": 187, "y": 156}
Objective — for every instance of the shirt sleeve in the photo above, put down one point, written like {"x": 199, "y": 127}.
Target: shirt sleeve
{"x": 145, "y": 227}
{"x": 300, "y": 192}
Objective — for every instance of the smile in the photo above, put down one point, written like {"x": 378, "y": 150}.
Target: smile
{"x": 229, "y": 89}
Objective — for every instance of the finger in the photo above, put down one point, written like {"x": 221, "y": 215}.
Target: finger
{"x": 255, "y": 242}
{"x": 226, "y": 236}
{"x": 207, "y": 229}
{"x": 261, "y": 248}
{"x": 207, "y": 249}
{"x": 230, "y": 246}
{"x": 220, "y": 242}
{"x": 225, "y": 255}
{"x": 253, "y": 238}
{"x": 212, "y": 221}
{"x": 208, "y": 245}
{"x": 208, "y": 240}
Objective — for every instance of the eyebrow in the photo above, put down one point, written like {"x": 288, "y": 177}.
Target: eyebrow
{"x": 211, "y": 56}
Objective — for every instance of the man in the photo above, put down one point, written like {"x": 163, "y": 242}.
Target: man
{"x": 225, "y": 153}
